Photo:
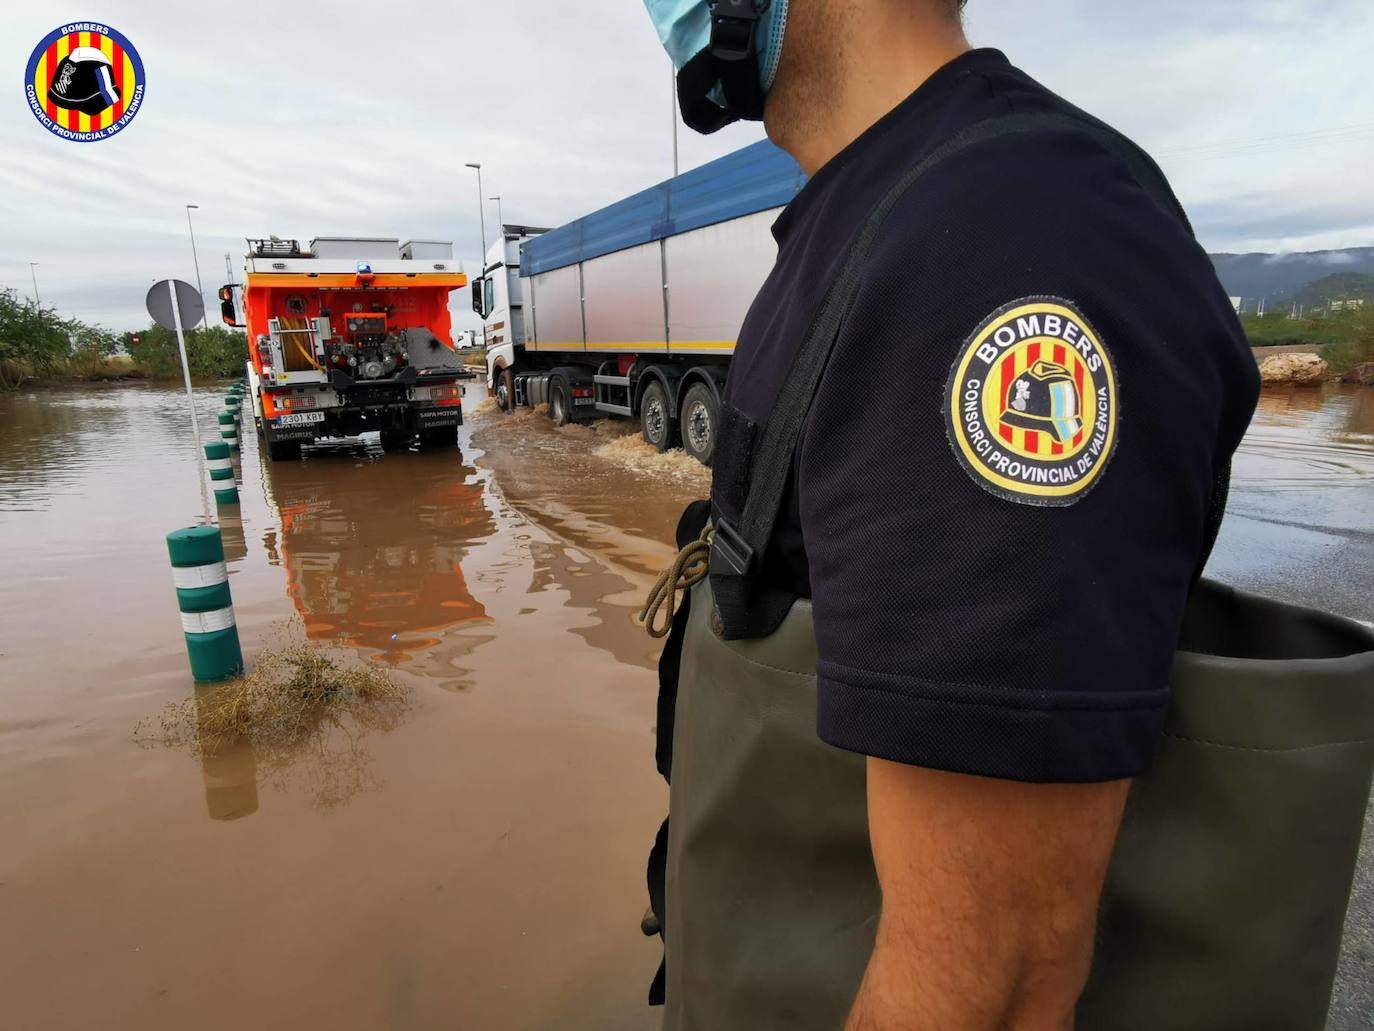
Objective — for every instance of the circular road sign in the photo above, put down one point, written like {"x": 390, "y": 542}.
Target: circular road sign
{"x": 189, "y": 301}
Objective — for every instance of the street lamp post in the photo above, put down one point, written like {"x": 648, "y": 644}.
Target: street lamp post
{"x": 481, "y": 212}
{"x": 500, "y": 220}
{"x": 673, "y": 99}
{"x": 33, "y": 271}
{"x": 194, "y": 257}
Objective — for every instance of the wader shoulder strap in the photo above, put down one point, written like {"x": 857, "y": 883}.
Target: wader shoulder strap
{"x": 737, "y": 551}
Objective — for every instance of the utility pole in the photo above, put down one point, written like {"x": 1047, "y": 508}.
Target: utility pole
{"x": 672, "y": 98}
{"x": 481, "y": 213}
{"x": 33, "y": 271}
{"x": 194, "y": 257}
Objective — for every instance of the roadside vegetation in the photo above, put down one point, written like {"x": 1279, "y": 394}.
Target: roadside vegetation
{"x": 303, "y": 714}
{"x": 38, "y": 344}
{"x": 1345, "y": 339}
{"x": 213, "y": 353}
{"x": 292, "y": 693}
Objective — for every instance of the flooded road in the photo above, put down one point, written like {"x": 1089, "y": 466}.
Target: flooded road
{"x": 479, "y": 864}
{"x": 1300, "y": 521}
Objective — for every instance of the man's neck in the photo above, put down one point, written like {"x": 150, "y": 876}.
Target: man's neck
{"x": 842, "y": 71}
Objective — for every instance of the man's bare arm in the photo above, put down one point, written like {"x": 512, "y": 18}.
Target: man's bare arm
{"x": 990, "y": 893}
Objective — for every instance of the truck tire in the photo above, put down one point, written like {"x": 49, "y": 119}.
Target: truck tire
{"x": 439, "y": 437}
{"x": 283, "y": 450}
{"x": 655, "y": 417}
{"x": 699, "y": 422}
{"x": 505, "y": 391}
{"x": 395, "y": 440}
{"x": 560, "y": 402}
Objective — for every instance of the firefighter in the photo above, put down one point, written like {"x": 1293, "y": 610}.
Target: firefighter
{"x": 973, "y": 456}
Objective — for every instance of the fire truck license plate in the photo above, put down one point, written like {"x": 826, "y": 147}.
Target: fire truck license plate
{"x": 300, "y": 418}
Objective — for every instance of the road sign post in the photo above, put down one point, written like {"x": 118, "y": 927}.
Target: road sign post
{"x": 178, "y": 306}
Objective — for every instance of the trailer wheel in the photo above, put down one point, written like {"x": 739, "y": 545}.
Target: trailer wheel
{"x": 658, "y": 425}
{"x": 560, "y": 411}
{"x": 283, "y": 450}
{"x": 505, "y": 391}
{"x": 699, "y": 423}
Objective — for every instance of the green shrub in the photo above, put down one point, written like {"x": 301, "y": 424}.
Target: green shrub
{"x": 1356, "y": 347}
{"x": 214, "y": 352}
{"x": 35, "y": 342}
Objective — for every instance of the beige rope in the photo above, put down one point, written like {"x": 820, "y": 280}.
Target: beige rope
{"x": 688, "y": 569}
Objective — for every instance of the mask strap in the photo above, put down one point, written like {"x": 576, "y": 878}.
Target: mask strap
{"x": 695, "y": 82}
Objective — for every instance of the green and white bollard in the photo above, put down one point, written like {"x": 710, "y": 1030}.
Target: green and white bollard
{"x": 228, "y": 430}
{"x": 217, "y": 459}
{"x": 222, "y": 480}
{"x": 207, "y": 609}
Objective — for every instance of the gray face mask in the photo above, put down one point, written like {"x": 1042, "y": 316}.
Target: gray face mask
{"x": 726, "y": 53}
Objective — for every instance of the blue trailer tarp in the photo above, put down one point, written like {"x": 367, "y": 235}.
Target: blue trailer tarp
{"x": 755, "y": 178}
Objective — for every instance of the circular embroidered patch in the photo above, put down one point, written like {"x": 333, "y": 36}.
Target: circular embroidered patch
{"x": 1031, "y": 403}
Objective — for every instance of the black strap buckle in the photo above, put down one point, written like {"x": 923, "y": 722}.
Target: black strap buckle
{"x": 730, "y": 553}
{"x": 734, "y": 27}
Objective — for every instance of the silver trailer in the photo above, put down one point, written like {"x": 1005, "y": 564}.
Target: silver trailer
{"x": 634, "y": 310}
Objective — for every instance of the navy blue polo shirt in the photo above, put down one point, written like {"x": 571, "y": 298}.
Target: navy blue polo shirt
{"x": 1000, "y": 499}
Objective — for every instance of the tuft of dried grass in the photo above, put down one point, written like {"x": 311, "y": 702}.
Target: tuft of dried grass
{"x": 293, "y": 697}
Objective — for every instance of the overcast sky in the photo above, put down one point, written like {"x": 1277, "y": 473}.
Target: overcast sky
{"x": 314, "y": 119}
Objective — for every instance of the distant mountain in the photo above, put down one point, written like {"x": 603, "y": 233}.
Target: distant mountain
{"x": 1280, "y": 277}
{"x": 1339, "y": 286}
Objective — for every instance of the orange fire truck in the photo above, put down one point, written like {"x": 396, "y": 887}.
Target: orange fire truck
{"x": 350, "y": 335}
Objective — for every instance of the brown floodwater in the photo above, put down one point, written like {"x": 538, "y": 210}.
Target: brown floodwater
{"x": 478, "y": 864}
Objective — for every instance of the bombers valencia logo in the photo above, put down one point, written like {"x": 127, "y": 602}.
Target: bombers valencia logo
{"x": 1031, "y": 403}
{"x": 84, "y": 82}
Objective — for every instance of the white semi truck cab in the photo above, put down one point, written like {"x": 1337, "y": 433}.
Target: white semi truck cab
{"x": 498, "y": 298}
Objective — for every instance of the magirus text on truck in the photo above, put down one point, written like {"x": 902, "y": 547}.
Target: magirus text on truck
{"x": 350, "y": 335}
{"x": 633, "y": 310}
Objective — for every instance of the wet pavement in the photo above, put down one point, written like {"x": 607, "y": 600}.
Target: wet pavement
{"x": 480, "y": 863}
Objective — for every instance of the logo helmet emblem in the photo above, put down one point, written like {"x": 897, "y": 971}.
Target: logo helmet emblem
{"x": 1045, "y": 398}
{"x": 84, "y": 81}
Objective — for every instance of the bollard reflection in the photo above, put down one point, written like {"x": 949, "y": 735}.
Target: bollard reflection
{"x": 229, "y": 771}
{"x": 231, "y": 529}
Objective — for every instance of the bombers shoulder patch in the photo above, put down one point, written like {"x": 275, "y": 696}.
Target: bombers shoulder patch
{"x": 1031, "y": 403}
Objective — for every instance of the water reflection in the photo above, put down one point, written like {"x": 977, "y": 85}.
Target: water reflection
{"x": 1300, "y": 522}
{"x": 230, "y": 775}
{"x": 1306, "y": 439}
{"x": 56, "y": 443}
{"x": 230, "y": 522}
{"x": 372, "y": 548}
